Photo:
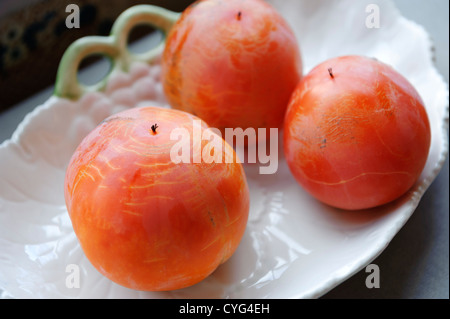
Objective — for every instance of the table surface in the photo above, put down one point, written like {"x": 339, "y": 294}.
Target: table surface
{"x": 415, "y": 265}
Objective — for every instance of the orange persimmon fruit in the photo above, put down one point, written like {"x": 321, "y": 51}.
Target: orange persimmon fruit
{"x": 233, "y": 63}
{"x": 144, "y": 221}
{"x": 357, "y": 133}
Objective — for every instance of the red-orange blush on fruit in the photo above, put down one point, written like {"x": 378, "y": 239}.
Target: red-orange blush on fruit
{"x": 233, "y": 63}
{"x": 144, "y": 221}
{"x": 357, "y": 133}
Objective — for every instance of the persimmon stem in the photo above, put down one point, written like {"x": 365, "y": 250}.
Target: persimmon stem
{"x": 239, "y": 15}
{"x": 154, "y": 127}
{"x": 330, "y": 71}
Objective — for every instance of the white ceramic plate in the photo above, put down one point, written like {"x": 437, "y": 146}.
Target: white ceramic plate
{"x": 294, "y": 247}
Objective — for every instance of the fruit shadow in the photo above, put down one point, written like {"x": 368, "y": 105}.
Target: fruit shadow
{"x": 365, "y": 216}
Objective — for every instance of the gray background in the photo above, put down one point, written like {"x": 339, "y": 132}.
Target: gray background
{"x": 416, "y": 263}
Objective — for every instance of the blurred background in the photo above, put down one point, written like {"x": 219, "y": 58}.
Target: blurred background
{"x": 33, "y": 38}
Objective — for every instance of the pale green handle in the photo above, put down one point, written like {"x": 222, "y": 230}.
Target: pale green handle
{"x": 113, "y": 47}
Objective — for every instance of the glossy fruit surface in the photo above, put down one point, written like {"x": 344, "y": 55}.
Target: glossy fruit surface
{"x": 143, "y": 221}
{"x": 233, "y": 63}
{"x": 357, "y": 133}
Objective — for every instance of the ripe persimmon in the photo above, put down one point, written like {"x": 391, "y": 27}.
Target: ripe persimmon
{"x": 233, "y": 63}
{"x": 357, "y": 134}
{"x": 142, "y": 220}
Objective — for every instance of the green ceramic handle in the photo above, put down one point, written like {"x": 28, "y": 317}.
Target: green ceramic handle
{"x": 113, "y": 47}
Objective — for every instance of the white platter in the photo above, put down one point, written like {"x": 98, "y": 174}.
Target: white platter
{"x": 294, "y": 247}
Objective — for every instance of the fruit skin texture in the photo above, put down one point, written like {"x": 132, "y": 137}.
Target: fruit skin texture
{"x": 143, "y": 221}
{"x": 233, "y": 63}
{"x": 356, "y": 138}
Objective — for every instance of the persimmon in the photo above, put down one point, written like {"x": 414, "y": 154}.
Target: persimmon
{"x": 233, "y": 63}
{"x": 144, "y": 221}
{"x": 357, "y": 134}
